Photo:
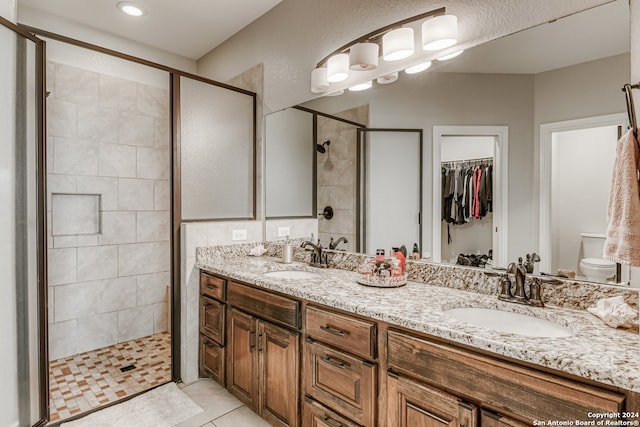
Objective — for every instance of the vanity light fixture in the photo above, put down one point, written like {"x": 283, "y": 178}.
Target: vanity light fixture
{"x": 396, "y": 41}
{"x": 450, "y": 55}
{"x": 319, "y": 82}
{"x": 363, "y": 56}
{"x": 418, "y": 68}
{"x": 361, "y": 86}
{"x": 335, "y": 93}
{"x": 338, "y": 68}
{"x": 130, "y": 9}
{"x": 397, "y": 44}
{"x": 440, "y": 32}
{"x": 389, "y": 78}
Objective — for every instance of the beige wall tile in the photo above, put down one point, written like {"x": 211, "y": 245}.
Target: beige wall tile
{"x": 135, "y": 323}
{"x": 117, "y": 160}
{"x": 75, "y": 157}
{"x": 97, "y": 262}
{"x": 135, "y": 195}
{"x": 98, "y": 124}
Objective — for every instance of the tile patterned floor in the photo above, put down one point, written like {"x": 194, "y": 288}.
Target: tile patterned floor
{"x": 220, "y": 409}
{"x": 92, "y": 379}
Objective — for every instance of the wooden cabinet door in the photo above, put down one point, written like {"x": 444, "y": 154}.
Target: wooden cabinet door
{"x": 316, "y": 415}
{"x": 279, "y": 356}
{"x": 242, "y": 357}
{"x": 410, "y": 404}
{"x": 212, "y": 319}
{"x": 341, "y": 382}
{"x": 211, "y": 360}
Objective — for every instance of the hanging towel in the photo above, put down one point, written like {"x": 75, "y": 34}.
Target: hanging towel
{"x": 623, "y": 211}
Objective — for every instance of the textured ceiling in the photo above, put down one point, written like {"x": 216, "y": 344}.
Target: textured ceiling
{"x": 189, "y": 28}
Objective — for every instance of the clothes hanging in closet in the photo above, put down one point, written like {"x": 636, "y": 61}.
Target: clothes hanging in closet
{"x": 467, "y": 190}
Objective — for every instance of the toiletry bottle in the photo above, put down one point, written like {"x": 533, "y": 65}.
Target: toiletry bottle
{"x": 379, "y": 254}
{"x": 287, "y": 252}
{"x": 396, "y": 270}
{"x": 402, "y": 261}
{"x": 415, "y": 253}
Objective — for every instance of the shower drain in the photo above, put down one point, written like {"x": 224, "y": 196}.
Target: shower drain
{"x": 127, "y": 368}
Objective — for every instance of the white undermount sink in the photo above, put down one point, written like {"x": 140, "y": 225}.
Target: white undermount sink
{"x": 505, "y": 321}
{"x": 291, "y": 274}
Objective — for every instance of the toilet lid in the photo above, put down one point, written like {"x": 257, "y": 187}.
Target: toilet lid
{"x": 598, "y": 262}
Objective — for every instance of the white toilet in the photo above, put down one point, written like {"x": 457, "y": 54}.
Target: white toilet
{"x": 592, "y": 265}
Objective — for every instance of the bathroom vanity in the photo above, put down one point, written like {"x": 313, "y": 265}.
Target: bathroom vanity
{"x": 314, "y": 348}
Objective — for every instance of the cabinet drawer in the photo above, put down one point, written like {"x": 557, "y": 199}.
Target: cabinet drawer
{"x": 212, "y": 319}
{"x": 212, "y": 286}
{"x": 264, "y": 304}
{"x": 316, "y": 415}
{"x": 353, "y": 335}
{"x": 412, "y": 404}
{"x": 506, "y": 388}
{"x": 212, "y": 360}
{"x": 342, "y": 382}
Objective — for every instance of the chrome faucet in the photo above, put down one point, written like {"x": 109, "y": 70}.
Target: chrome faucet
{"x": 318, "y": 257}
{"x": 334, "y": 244}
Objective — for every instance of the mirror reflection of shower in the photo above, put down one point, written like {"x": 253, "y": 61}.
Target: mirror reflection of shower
{"x": 321, "y": 147}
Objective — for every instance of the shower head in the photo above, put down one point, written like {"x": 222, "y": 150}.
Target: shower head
{"x": 320, "y": 147}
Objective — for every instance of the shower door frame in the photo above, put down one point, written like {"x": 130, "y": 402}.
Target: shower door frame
{"x": 41, "y": 231}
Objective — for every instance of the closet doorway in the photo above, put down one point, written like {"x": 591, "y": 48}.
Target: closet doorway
{"x": 470, "y": 214}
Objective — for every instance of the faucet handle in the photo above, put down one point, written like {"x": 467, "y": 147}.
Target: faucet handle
{"x": 505, "y": 284}
{"x": 534, "y": 293}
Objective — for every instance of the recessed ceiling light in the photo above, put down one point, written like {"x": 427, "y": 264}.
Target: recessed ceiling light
{"x": 130, "y": 8}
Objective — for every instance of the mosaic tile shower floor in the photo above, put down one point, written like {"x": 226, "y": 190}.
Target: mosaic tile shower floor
{"x": 89, "y": 380}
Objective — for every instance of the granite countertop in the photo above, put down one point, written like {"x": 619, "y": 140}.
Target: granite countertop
{"x": 595, "y": 351}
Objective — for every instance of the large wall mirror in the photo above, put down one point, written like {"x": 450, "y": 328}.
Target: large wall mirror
{"x": 569, "y": 69}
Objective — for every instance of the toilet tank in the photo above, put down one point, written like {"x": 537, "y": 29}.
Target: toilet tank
{"x": 592, "y": 245}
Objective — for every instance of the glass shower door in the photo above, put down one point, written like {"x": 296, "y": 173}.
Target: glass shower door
{"x": 22, "y": 226}
{"x": 391, "y": 188}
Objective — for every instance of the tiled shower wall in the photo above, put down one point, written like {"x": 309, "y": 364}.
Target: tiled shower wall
{"x": 108, "y": 142}
{"x": 337, "y": 176}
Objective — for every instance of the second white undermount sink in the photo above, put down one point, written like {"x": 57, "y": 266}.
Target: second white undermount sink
{"x": 506, "y": 321}
{"x": 292, "y": 274}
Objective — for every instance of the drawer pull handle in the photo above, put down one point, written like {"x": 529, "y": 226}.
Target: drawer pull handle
{"x": 428, "y": 414}
{"x": 252, "y": 340}
{"x": 334, "y": 362}
{"x": 332, "y": 331}
{"x": 331, "y": 422}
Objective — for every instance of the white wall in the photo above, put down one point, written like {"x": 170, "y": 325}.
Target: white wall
{"x": 580, "y": 194}
{"x": 8, "y": 355}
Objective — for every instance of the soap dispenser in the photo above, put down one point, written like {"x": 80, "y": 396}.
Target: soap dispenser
{"x": 287, "y": 252}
